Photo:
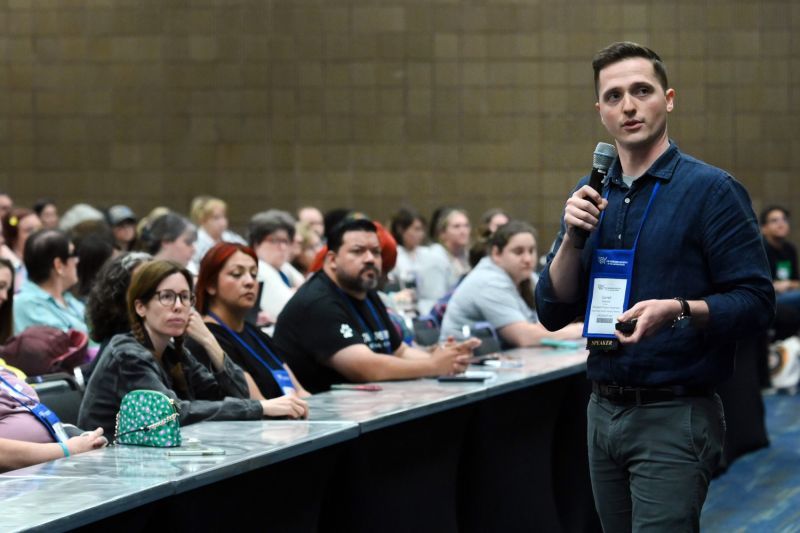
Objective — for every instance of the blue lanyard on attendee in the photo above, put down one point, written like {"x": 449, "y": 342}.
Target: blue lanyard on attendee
{"x": 47, "y": 417}
{"x": 280, "y": 375}
{"x": 387, "y": 345}
{"x": 285, "y": 278}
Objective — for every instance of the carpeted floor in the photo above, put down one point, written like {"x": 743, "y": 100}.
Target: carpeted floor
{"x": 761, "y": 491}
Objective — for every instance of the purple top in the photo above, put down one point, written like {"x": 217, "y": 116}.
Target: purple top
{"x": 16, "y": 422}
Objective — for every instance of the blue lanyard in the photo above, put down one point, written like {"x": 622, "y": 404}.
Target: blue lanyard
{"x": 47, "y": 417}
{"x": 387, "y": 346}
{"x": 285, "y": 278}
{"x": 644, "y": 217}
{"x": 247, "y": 346}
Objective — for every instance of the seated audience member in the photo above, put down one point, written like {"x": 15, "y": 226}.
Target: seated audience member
{"x": 44, "y": 299}
{"x": 106, "y": 306}
{"x": 211, "y": 216}
{"x": 47, "y": 211}
{"x": 26, "y": 439}
{"x": 500, "y": 291}
{"x": 271, "y": 234}
{"x": 122, "y": 220}
{"x": 313, "y": 218}
{"x": 6, "y": 300}
{"x": 449, "y": 257}
{"x": 335, "y": 329}
{"x": 226, "y": 291}
{"x": 18, "y": 225}
{"x": 144, "y": 222}
{"x": 782, "y": 255}
{"x": 305, "y": 247}
{"x": 79, "y": 214}
{"x": 153, "y": 357}
{"x": 171, "y": 237}
{"x": 413, "y": 259}
{"x": 490, "y": 221}
{"x": 92, "y": 250}
{"x": 6, "y": 204}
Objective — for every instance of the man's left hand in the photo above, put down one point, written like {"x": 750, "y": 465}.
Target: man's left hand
{"x": 651, "y": 316}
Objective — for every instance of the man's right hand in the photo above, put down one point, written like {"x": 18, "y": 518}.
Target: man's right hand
{"x": 583, "y": 209}
{"x": 453, "y": 358}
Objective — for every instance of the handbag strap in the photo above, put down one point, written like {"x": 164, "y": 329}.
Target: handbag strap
{"x": 149, "y": 427}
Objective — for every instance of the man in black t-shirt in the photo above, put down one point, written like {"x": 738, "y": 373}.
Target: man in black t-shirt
{"x": 335, "y": 328}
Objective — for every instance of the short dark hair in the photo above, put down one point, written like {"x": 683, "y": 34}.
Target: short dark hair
{"x": 264, "y": 224}
{"x": 41, "y": 249}
{"x": 762, "y": 218}
{"x": 616, "y": 52}
{"x": 402, "y": 220}
{"x": 336, "y": 235}
{"x": 93, "y": 251}
{"x": 41, "y": 204}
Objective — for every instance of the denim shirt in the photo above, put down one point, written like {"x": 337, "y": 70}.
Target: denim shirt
{"x": 700, "y": 241}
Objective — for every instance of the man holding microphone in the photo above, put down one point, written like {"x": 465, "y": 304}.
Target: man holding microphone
{"x": 671, "y": 275}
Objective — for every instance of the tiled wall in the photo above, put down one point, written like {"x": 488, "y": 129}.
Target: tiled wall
{"x": 372, "y": 103}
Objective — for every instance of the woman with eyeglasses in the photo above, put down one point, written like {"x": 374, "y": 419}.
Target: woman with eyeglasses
{"x": 44, "y": 299}
{"x": 152, "y": 357}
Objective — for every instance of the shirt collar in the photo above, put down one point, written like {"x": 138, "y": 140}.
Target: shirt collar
{"x": 663, "y": 167}
{"x": 34, "y": 289}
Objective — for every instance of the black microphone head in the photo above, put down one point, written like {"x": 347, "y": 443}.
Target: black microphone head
{"x": 604, "y": 155}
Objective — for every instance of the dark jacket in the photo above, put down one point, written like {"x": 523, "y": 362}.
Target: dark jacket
{"x": 126, "y": 365}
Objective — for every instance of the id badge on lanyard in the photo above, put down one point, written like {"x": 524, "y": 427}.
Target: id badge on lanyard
{"x": 281, "y": 376}
{"x": 284, "y": 381}
{"x": 609, "y": 288}
{"x": 44, "y": 415}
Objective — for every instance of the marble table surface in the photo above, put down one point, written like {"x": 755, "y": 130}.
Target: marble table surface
{"x": 401, "y": 401}
{"x": 109, "y": 481}
{"x": 105, "y": 482}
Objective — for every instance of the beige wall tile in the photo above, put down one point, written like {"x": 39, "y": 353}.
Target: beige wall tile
{"x": 487, "y": 102}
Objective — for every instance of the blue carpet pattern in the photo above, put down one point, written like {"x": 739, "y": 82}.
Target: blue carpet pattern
{"x": 761, "y": 490}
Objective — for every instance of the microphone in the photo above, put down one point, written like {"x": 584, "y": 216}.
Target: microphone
{"x": 602, "y": 158}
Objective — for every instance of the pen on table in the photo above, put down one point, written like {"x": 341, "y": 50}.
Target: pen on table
{"x": 346, "y": 386}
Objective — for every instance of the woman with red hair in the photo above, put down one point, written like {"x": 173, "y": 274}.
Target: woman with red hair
{"x": 226, "y": 291}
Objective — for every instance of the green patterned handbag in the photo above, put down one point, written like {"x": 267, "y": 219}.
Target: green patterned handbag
{"x": 148, "y": 418}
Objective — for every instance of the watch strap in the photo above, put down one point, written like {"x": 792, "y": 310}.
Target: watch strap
{"x": 683, "y": 319}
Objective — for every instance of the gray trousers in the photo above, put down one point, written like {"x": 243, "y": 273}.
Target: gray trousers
{"x": 651, "y": 464}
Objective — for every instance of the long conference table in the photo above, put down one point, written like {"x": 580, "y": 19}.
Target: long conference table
{"x": 506, "y": 454}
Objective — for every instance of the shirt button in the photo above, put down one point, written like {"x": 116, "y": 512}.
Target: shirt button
{"x": 627, "y": 200}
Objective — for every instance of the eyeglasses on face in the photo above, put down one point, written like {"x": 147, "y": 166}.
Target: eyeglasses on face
{"x": 277, "y": 241}
{"x": 167, "y": 298}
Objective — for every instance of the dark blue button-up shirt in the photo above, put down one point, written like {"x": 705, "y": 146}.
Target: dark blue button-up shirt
{"x": 700, "y": 241}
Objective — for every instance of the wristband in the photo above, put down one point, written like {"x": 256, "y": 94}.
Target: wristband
{"x": 64, "y": 447}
